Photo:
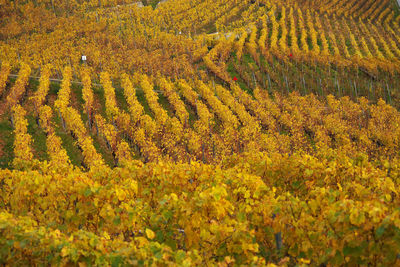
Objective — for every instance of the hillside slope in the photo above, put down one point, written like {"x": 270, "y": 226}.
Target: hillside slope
{"x": 224, "y": 132}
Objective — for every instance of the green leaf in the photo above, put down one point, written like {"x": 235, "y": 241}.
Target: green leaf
{"x": 241, "y": 216}
{"x": 296, "y": 184}
{"x": 352, "y": 251}
{"x": 154, "y": 249}
{"x": 380, "y": 231}
{"x": 158, "y": 255}
{"x": 180, "y": 256}
{"x": 87, "y": 192}
{"x": 23, "y": 243}
{"x": 116, "y": 261}
{"x": 338, "y": 258}
{"x": 168, "y": 215}
{"x": 347, "y": 251}
{"x": 160, "y": 235}
{"x": 117, "y": 220}
{"x": 171, "y": 243}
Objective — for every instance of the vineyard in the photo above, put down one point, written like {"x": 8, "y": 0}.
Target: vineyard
{"x": 187, "y": 133}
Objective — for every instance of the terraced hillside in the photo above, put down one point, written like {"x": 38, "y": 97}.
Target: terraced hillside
{"x": 226, "y": 133}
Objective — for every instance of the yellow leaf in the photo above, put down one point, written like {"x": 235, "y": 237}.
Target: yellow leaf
{"x": 306, "y": 261}
{"x": 64, "y": 252}
{"x": 106, "y": 235}
{"x": 142, "y": 241}
{"x": 134, "y": 186}
{"x": 357, "y": 217}
{"x": 150, "y": 234}
{"x": 174, "y": 197}
{"x": 120, "y": 194}
{"x": 340, "y": 187}
{"x": 57, "y": 233}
